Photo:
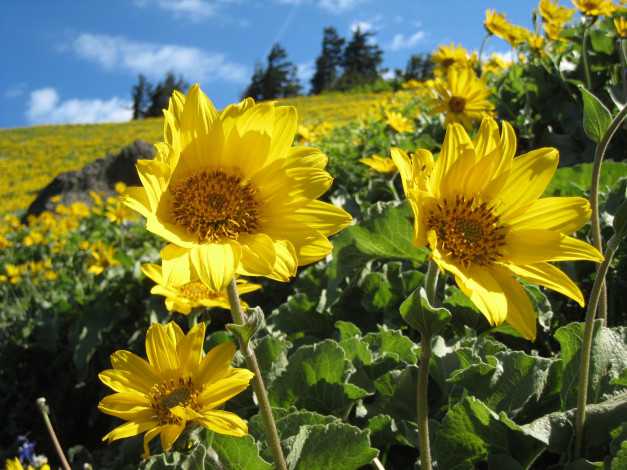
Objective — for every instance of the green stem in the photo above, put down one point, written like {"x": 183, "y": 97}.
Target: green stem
{"x": 584, "y": 54}
{"x": 260, "y": 390}
{"x": 479, "y": 59}
{"x": 586, "y": 343}
{"x": 594, "y": 197}
{"x": 431, "y": 283}
{"x": 41, "y": 402}
{"x": 622, "y": 47}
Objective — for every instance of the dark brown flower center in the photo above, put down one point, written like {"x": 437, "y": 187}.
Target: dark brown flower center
{"x": 214, "y": 205}
{"x": 170, "y": 395}
{"x": 457, "y": 104}
{"x": 470, "y": 232}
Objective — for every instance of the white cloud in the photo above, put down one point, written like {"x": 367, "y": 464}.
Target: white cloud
{"x": 339, "y": 6}
{"x": 304, "y": 72}
{"x": 193, "y": 10}
{"x": 16, "y": 90}
{"x": 155, "y": 60}
{"x": 362, "y": 25}
{"x": 45, "y": 107}
{"x": 400, "y": 42}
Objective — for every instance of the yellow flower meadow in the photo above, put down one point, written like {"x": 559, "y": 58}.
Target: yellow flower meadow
{"x": 463, "y": 98}
{"x": 478, "y": 208}
{"x": 177, "y": 386}
{"x": 185, "y": 297}
{"x": 231, "y": 195}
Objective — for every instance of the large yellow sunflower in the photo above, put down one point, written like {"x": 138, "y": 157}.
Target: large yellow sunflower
{"x": 462, "y": 97}
{"x": 478, "y": 208}
{"x": 552, "y": 12}
{"x": 446, "y": 56}
{"x": 176, "y": 387}
{"x": 596, "y": 7}
{"x": 183, "y": 298}
{"x": 231, "y": 195}
{"x": 495, "y": 23}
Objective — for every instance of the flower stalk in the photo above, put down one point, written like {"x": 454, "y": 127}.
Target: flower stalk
{"x": 260, "y": 390}
{"x": 41, "y": 403}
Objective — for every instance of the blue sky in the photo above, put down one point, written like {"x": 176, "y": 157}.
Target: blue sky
{"x": 68, "y": 61}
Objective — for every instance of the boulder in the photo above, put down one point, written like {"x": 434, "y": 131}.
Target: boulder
{"x": 100, "y": 176}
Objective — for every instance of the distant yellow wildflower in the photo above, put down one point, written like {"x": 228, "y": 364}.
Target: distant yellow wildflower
{"x": 398, "y": 122}
{"x": 379, "y": 164}
{"x": 496, "y": 23}
{"x": 103, "y": 257}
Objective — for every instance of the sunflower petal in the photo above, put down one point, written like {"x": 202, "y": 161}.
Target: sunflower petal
{"x": 536, "y": 245}
{"x": 161, "y": 350}
{"x": 565, "y": 215}
{"x": 214, "y": 365}
{"x": 224, "y": 422}
{"x": 215, "y": 263}
{"x": 218, "y": 392}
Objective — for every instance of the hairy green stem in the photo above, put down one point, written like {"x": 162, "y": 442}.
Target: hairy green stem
{"x": 584, "y": 54}
{"x": 594, "y": 198}
{"x": 431, "y": 283}
{"x": 586, "y": 344}
{"x": 41, "y": 402}
{"x": 479, "y": 59}
{"x": 622, "y": 46}
{"x": 260, "y": 390}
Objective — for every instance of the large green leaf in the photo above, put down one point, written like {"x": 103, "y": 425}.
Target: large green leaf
{"x": 572, "y": 181}
{"x": 422, "y": 316}
{"x": 316, "y": 378}
{"x": 607, "y": 361}
{"x": 596, "y": 117}
{"x": 234, "y": 452}
{"x": 471, "y": 432}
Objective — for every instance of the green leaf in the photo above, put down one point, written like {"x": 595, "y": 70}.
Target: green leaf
{"x": 556, "y": 430}
{"x": 298, "y": 316}
{"x": 395, "y": 395}
{"x": 607, "y": 361}
{"x": 316, "y": 378}
{"x": 234, "y": 452}
{"x": 513, "y": 382}
{"x": 601, "y": 41}
{"x": 338, "y": 446}
{"x": 195, "y": 460}
{"x": 471, "y": 432}
{"x": 596, "y": 117}
{"x": 420, "y": 315}
{"x": 254, "y": 321}
{"x": 383, "y": 232}
{"x": 571, "y": 181}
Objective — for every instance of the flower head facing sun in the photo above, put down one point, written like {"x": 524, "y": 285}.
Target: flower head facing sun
{"x": 463, "y": 98}
{"x": 230, "y": 188}
{"x": 175, "y": 388}
{"x": 183, "y": 298}
{"x": 478, "y": 208}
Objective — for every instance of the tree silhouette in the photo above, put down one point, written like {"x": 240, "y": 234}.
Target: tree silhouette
{"x": 277, "y": 80}
{"x": 360, "y": 62}
{"x": 328, "y": 62}
{"x": 149, "y": 101}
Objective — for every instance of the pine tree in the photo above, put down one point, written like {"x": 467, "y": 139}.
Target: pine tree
{"x": 360, "y": 62}
{"x": 140, "y": 94}
{"x": 418, "y": 68}
{"x": 160, "y": 96}
{"x": 277, "y": 80}
{"x": 328, "y": 62}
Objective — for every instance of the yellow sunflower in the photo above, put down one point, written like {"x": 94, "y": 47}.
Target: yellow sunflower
{"x": 478, "y": 208}
{"x": 103, "y": 257}
{"x": 462, "y": 97}
{"x": 551, "y": 12}
{"x": 496, "y": 23}
{"x": 596, "y": 7}
{"x": 231, "y": 195}
{"x": 175, "y": 388}
{"x": 398, "y": 122}
{"x": 185, "y": 297}
{"x": 621, "y": 26}
{"x": 446, "y": 56}
{"x": 379, "y": 164}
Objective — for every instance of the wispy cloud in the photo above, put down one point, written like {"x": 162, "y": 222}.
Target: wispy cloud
{"x": 304, "y": 72}
{"x": 401, "y": 42}
{"x": 192, "y": 10}
{"x": 155, "y": 60}
{"x": 15, "y": 90}
{"x": 45, "y": 107}
{"x": 339, "y": 6}
{"x": 363, "y": 26}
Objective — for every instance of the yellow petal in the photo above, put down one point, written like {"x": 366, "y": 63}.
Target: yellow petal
{"x": 125, "y": 381}
{"x": 219, "y": 392}
{"x": 484, "y": 291}
{"x": 535, "y": 245}
{"x": 232, "y": 111}
{"x": 215, "y": 263}
{"x": 322, "y": 216}
{"x": 129, "y": 429}
{"x": 137, "y": 199}
{"x": 248, "y": 143}
{"x": 202, "y": 138}
{"x": 127, "y": 406}
{"x": 146, "y": 375}
{"x": 190, "y": 350}
{"x": 286, "y": 261}
{"x": 215, "y": 364}
{"x": 565, "y": 215}
{"x": 258, "y": 255}
{"x": 528, "y": 178}
{"x": 283, "y": 131}
{"x": 154, "y": 176}
{"x": 456, "y": 144}
{"x": 149, "y": 436}
{"x": 549, "y": 276}
{"x": 176, "y": 266}
{"x": 170, "y": 433}
{"x": 224, "y": 422}
{"x": 305, "y": 157}
{"x": 402, "y": 162}
{"x": 160, "y": 350}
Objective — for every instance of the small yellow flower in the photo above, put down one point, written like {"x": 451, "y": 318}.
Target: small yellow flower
{"x": 551, "y": 12}
{"x": 496, "y": 23}
{"x": 621, "y": 26}
{"x": 120, "y": 187}
{"x": 118, "y": 213}
{"x": 536, "y": 44}
{"x": 379, "y": 164}
{"x": 479, "y": 210}
{"x": 596, "y": 7}
{"x": 463, "y": 98}
{"x": 553, "y": 30}
{"x": 183, "y": 298}
{"x": 447, "y": 56}
{"x": 103, "y": 257}
{"x": 398, "y": 122}
{"x": 176, "y": 387}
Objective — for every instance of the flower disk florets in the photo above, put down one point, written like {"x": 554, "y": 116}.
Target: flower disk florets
{"x": 214, "y": 205}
